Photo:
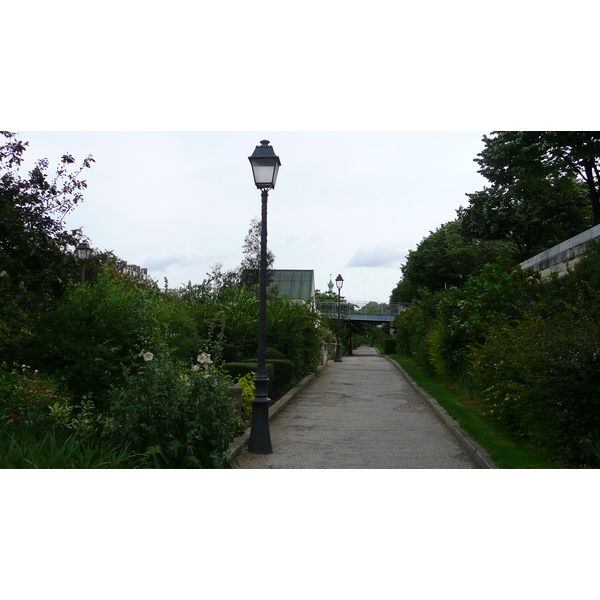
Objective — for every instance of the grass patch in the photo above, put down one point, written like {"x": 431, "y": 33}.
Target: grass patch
{"x": 505, "y": 451}
{"x": 26, "y": 448}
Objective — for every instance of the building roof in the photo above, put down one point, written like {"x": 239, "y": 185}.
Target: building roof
{"x": 295, "y": 284}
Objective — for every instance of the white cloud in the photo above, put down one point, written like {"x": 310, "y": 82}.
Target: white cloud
{"x": 182, "y": 259}
{"x": 376, "y": 256}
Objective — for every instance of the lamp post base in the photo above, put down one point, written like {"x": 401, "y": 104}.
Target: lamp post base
{"x": 338, "y": 353}
{"x": 260, "y": 436}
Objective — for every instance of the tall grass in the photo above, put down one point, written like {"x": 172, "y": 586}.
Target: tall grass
{"x": 28, "y": 448}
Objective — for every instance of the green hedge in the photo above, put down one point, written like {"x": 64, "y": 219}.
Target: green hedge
{"x": 239, "y": 369}
{"x": 274, "y": 354}
{"x": 283, "y": 374}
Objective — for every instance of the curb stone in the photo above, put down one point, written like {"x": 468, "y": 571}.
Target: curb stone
{"x": 474, "y": 450}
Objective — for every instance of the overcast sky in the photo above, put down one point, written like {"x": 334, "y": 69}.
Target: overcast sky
{"x": 376, "y": 115}
{"x": 352, "y": 203}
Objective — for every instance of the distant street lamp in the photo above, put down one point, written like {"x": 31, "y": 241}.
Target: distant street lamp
{"x": 339, "y": 282}
{"x": 265, "y": 166}
{"x": 83, "y": 252}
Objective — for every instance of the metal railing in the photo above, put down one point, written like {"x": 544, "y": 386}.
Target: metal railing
{"x": 348, "y": 307}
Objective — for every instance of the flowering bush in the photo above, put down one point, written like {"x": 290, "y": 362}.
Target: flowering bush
{"x": 177, "y": 417}
{"x": 204, "y": 361}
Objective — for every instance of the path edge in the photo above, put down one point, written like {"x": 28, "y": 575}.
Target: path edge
{"x": 474, "y": 450}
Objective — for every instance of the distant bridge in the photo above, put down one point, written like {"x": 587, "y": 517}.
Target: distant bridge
{"x": 371, "y": 312}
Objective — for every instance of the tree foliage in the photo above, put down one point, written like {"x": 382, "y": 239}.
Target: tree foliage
{"x": 445, "y": 258}
{"x": 35, "y": 264}
{"x": 247, "y": 273}
{"x": 580, "y": 152}
{"x": 540, "y": 192}
{"x": 249, "y": 269}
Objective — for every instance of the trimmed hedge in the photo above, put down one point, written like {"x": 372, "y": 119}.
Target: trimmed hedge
{"x": 283, "y": 374}
{"x": 239, "y": 369}
{"x": 274, "y": 354}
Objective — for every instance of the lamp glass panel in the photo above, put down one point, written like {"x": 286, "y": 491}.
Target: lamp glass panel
{"x": 265, "y": 172}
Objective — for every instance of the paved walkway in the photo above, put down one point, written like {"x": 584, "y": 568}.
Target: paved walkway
{"x": 359, "y": 414}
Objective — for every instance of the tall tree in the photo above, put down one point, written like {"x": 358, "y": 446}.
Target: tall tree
{"x": 247, "y": 273}
{"x": 446, "y": 257}
{"x": 536, "y": 197}
{"x": 579, "y": 151}
{"x": 35, "y": 264}
{"x": 249, "y": 268}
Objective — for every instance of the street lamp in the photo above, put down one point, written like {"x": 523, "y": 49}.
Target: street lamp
{"x": 339, "y": 282}
{"x": 265, "y": 166}
{"x": 83, "y": 252}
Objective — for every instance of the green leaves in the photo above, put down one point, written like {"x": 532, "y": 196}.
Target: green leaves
{"x": 446, "y": 258}
{"x": 32, "y": 238}
{"x": 538, "y": 196}
{"x": 539, "y": 378}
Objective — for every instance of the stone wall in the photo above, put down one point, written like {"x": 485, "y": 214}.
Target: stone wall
{"x": 561, "y": 257}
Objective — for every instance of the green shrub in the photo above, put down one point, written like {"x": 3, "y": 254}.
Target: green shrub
{"x": 274, "y": 354}
{"x": 91, "y": 335}
{"x": 389, "y": 346}
{"x": 294, "y": 330}
{"x": 283, "y": 374}
{"x": 40, "y": 427}
{"x": 95, "y": 329}
{"x": 440, "y": 327}
{"x": 437, "y": 344}
{"x": 541, "y": 379}
{"x": 244, "y": 368}
{"x": 27, "y": 396}
{"x": 174, "y": 415}
{"x": 412, "y": 326}
{"x": 246, "y": 382}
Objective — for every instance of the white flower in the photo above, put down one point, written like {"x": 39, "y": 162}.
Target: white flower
{"x": 148, "y": 356}
{"x": 204, "y": 359}
{"x": 195, "y": 367}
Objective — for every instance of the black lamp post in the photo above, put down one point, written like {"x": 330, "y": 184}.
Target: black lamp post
{"x": 265, "y": 165}
{"x": 339, "y": 282}
{"x": 83, "y": 252}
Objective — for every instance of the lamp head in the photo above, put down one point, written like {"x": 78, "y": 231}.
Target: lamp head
{"x": 265, "y": 165}
{"x": 83, "y": 251}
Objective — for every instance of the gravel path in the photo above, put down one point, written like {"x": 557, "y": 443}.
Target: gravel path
{"x": 359, "y": 414}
